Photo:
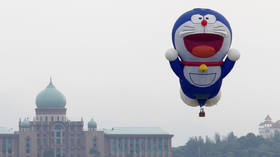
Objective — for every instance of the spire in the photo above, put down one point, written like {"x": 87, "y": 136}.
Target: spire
{"x": 51, "y": 84}
{"x": 267, "y": 118}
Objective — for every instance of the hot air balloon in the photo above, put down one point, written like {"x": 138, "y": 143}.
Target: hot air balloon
{"x": 201, "y": 57}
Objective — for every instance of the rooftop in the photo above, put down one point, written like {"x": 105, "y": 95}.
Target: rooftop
{"x": 6, "y": 130}
{"x": 136, "y": 130}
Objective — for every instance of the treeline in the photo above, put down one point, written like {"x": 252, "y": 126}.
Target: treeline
{"x": 230, "y": 146}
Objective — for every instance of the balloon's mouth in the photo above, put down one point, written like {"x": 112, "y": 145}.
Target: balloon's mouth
{"x": 203, "y": 45}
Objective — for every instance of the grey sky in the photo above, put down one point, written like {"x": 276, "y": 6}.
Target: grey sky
{"x": 107, "y": 58}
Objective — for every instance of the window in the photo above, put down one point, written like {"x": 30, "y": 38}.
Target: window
{"x": 143, "y": 146}
{"x": 160, "y": 145}
{"x": 58, "y": 131}
{"x": 57, "y": 152}
{"x": 166, "y": 145}
{"x": 9, "y": 145}
{"x": 46, "y": 119}
{"x": 131, "y": 143}
{"x": 4, "y": 146}
{"x": 120, "y": 145}
{"x": 149, "y": 145}
{"x": 154, "y": 145}
{"x": 126, "y": 145}
{"x": 38, "y": 127}
{"x": 72, "y": 128}
{"x": 94, "y": 143}
{"x": 137, "y": 146}
{"x": 114, "y": 146}
{"x": 52, "y": 118}
{"x": 45, "y": 141}
{"x": 27, "y": 145}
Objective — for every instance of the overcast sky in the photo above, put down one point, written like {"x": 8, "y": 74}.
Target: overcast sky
{"x": 107, "y": 58}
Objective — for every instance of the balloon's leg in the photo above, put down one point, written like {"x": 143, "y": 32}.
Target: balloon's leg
{"x": 201, "y": 113}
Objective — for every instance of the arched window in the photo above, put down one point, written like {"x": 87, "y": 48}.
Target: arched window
{"x": 27, "y": 145}
{"x": 58, "y": 133}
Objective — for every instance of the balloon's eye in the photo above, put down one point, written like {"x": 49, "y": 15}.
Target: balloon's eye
{"x": 197, "y": 18}
{"x": 210, "y": 18}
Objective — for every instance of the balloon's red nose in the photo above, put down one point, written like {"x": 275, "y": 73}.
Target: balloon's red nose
{"x": 203, "y": 23}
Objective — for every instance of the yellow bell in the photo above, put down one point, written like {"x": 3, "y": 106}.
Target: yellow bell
{"x": 203, "y": 68}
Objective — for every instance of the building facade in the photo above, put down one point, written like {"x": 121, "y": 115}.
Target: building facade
{"x": 51, "y": 134}
{"x": 268, "y": 128}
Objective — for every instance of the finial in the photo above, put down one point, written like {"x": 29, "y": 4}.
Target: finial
{"x": 51, "y": 83}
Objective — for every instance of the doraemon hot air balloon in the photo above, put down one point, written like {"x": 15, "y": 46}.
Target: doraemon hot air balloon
{"x": 201, "y": 40}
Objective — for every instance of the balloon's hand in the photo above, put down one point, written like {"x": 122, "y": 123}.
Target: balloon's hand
{"x": 233, "y": 55}
{"x": 171, "y": 54}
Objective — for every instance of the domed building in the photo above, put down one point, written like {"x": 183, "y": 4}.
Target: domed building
{"x": 50, "y": 133}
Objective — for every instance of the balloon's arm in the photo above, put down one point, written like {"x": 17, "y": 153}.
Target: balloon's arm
{"x": 226, "y": 67}
{"x": 177, "y": 67}
{"x": 232, "y": 57}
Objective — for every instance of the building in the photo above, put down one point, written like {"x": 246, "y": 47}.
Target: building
{"x": 51, "y": 134}
{"x": 268, "y": 128}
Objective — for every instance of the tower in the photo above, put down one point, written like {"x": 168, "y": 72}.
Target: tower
{"x": 266, "y": 128}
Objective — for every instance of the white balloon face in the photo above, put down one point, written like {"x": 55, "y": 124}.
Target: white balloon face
{"x": 202, "y": 39}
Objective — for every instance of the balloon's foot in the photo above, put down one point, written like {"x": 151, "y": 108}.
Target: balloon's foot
{"x": 201, "y": 113}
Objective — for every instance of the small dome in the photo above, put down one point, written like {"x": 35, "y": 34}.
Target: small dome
{"x": 25, "y": 123}
{"x": 92, "y": 124}
{"x": 50, "y": 97}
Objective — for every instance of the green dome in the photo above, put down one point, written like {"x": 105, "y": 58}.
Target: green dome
{"x": 50, "y": 98}
{"x": 92, "y": 124}
{"x": 25, "y": 123}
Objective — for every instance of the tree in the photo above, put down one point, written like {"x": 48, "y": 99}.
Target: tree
{"x": 230, "y": 146}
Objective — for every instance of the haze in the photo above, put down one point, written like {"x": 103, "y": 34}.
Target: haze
{"x": 107, "y": 58}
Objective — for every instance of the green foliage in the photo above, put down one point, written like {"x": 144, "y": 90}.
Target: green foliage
{"x": 230, "y": 146}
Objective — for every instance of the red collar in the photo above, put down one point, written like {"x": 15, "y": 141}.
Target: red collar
{"x": 199, "y": 63}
